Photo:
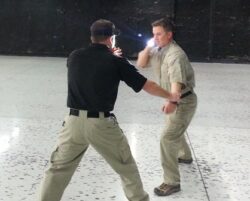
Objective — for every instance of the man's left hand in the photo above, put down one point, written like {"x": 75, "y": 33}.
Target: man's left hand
{"x": 169, "y": 107}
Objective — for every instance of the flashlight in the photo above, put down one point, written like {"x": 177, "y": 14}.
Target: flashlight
{"x": 113, "y": 41}
{"x": 151, "y": 42}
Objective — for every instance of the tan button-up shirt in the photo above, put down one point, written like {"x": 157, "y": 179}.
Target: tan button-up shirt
{"x": 171, "y": 65}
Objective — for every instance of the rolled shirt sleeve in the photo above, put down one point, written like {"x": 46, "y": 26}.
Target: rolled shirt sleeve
{"x": 177, "y": 69}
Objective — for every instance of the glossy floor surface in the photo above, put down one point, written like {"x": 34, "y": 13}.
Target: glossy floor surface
{"x": 33, "y": 104}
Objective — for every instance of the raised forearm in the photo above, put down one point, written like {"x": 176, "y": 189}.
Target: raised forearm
{"x": 143, "y": 58}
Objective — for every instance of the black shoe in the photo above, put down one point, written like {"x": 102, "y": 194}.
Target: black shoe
{"x": 186, "y": 161}
{"x": 165, "y": 189}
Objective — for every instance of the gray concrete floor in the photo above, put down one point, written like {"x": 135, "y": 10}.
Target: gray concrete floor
{"x": 33, "y": 105}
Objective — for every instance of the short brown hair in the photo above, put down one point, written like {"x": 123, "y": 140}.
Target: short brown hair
{"x": 97, "y": 39}
{"x": 166, "y": 23}
{"x": 102, "y": 29}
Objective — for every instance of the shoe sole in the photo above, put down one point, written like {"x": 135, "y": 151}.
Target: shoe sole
{"x": 185, "y": 161}
{"x": 166, "y": 194}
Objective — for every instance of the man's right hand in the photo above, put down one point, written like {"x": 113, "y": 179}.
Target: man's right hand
{"x": 117, "y": 51}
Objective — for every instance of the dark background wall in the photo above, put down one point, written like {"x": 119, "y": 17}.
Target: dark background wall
{"x": 208, "y": 30}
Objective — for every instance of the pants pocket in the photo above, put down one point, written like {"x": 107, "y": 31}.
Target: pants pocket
{"x": 53, "y": 154}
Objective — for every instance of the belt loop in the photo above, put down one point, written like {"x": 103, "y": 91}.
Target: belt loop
{"x": 101, "y": 114}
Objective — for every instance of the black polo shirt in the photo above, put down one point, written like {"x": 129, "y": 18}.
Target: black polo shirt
{"x": 94, "y": 75}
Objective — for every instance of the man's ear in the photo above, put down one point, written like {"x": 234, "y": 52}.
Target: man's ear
{"x": 170, "y": 34}
{"x": 109, "y": 40}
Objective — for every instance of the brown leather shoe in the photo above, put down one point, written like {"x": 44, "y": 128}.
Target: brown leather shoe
{"x": 165, "y": 189}
{"x": 186, "y": 161}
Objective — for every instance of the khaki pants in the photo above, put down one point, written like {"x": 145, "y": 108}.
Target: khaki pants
{"x": 173, "y": 144}
{"x": 105, "y": 135}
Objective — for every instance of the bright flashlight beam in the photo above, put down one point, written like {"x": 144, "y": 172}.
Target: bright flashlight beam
{"x": 113, "y": 41}
{"x": 151, "y": 42}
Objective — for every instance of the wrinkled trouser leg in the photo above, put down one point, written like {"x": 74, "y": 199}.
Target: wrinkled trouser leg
{"x": 112, "y": 144}
{"x": 172, "y": 139}
{"x": 70, "y": 148}
{"x": 184, "y": 151}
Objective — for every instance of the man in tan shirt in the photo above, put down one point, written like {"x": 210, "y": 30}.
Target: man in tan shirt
{"x": 175, "y": 74}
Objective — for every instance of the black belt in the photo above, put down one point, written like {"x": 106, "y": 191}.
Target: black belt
{"x": 90, "y": 114}
{"x": 186, "y": 94}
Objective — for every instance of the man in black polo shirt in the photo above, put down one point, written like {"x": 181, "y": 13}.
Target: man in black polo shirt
{"x": 94, "y": 74}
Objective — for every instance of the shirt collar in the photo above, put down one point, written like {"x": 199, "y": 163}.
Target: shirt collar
{"x": 165, "y": 48}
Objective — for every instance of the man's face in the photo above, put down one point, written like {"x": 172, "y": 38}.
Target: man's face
{"x": 161, "y": 37}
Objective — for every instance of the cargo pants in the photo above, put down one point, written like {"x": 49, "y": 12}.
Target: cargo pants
{"x": 106, "y": 137}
